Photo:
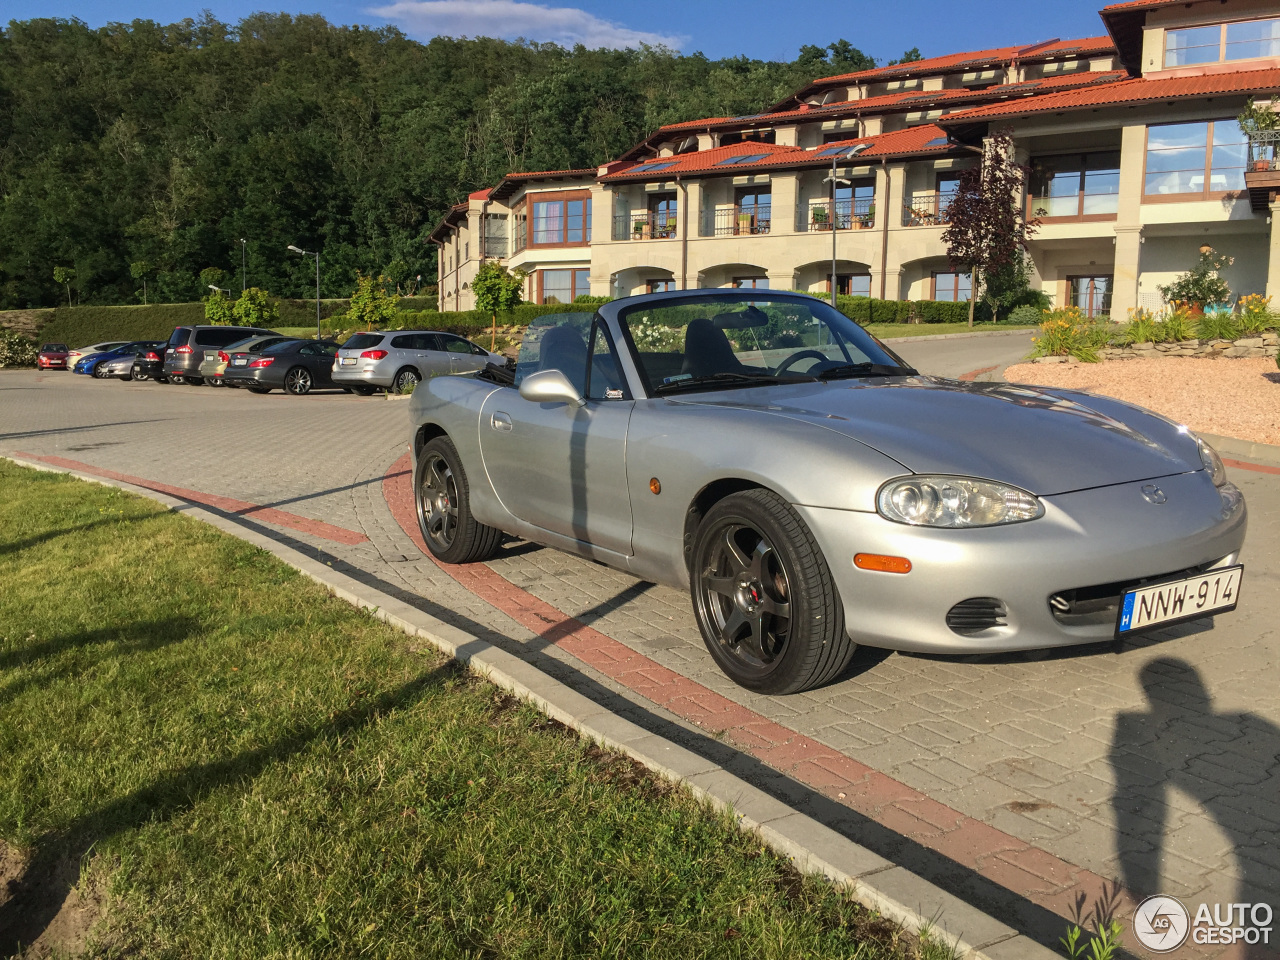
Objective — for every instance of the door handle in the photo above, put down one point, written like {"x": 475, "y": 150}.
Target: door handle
{"x": 500, "y": 421}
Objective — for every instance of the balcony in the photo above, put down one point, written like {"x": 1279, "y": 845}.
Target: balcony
{"x": 926, "y": 210}
{"x": 735, "y": 221}
{"x": 1262, "y": 172}
{"x": 522, "y": 238}
{"x": 495, "y": 248}
{"x": 856, "y": 214}
{"x": 644, "y": 225}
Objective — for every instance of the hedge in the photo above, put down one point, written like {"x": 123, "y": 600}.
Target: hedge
{"x": 871, "y": 310}
{"x": 471, "y": 321}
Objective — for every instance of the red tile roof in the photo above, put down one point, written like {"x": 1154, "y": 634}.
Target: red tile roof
{"x": 513, "y": 181}
{"x": 1046, "y": 50}
{"x": 1124, "y": 22}
{"x": 480, "y": 195}
{"x": 914, "y": 140}
{"x": 1134, "y": 90}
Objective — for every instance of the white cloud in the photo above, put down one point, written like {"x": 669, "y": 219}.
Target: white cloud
{"x": 510, "y": 19}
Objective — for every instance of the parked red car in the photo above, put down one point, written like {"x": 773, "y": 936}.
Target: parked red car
{"x": 52, "y": 356}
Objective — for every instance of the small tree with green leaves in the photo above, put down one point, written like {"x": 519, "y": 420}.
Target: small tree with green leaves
{"x": 256, "y": 308}
{"x": 371, "y": 304}
{"x": 217, "y": 308}
{"x": 212, "y": 277}
{"x": 64, "y": 276}
{"x": 1202, "y": 284}
{"x": 139, "y": 270}
{"x": 497, "y": 288}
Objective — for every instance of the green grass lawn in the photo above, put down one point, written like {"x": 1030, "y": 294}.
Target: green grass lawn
{"x": 242, "y": 765}
{"x": 890, "y": 330}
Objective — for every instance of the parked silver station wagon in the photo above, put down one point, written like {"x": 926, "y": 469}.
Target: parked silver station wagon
{"x": 399, "y": 358}
{"x": 814, "y": 492}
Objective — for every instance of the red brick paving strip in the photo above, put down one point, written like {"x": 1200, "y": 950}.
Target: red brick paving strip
{"x": 281, "y": 518}
{"x": 997, "y": 856}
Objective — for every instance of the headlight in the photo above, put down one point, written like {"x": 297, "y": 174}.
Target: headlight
{"x": 955, "y": 502}
{"x": 1212, "y": 462}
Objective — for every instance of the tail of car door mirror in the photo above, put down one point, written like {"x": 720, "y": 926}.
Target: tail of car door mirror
{"x": 550, "y": 386}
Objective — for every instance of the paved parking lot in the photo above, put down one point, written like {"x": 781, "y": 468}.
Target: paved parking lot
{"x": 1020, "y": 782}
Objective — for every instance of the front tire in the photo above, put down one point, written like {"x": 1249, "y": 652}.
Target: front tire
{"x": 99, "y": 371}
{"x": 443, "y": 501}
{"x": 298, "y": 381}
{"x": 764, "y": 597}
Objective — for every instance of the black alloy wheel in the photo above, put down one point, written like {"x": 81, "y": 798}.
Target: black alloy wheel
{"x": 127, "y": 377}
{"x": 298, "y": 381}
{"x": 442, "y": 500}
{"x": 764, "y": 597}
{"x": 176, "y": 378}
{"x": 138, "y": 374}
{"x": 405, "y": 378}
{"x": 99, "y": 371}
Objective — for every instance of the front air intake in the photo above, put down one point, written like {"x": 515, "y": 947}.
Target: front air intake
{"x": 976, "y": 614}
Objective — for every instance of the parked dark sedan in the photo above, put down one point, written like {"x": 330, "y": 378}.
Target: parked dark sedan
{"x": 149, "y": 365}
{"x": 298, "y": 366}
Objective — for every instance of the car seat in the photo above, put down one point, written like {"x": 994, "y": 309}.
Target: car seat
{"x": 707, "y": 350}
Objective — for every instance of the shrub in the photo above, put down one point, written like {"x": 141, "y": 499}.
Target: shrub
{"x": 370, "y": 304}
{"x": 16, "y": 350}
{"x": 589, "y": 300}
{"x": 1217, "y": 325}
{"x": 1066, "y": 332}
{"x": 1202, "y": 284}
{"x": 217, "y": 308}
{"x": 1026, "y": 315}
{"x": 1176, "y": 327}
{"x": 256, "y": 308}
{"x": 78, "y": 326}
{"x": 1255, "y": 314}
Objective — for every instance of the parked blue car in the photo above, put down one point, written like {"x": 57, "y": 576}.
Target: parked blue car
{"x": 99, "y": 364}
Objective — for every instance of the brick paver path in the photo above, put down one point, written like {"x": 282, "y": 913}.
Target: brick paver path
{"x": 998, "y": 777}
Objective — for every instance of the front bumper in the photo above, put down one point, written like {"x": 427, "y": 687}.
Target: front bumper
{"x": 186, "y": 367}
{"x": 251, "y": 377}
{"x": 119, "y": 368}
{"x": 1107, "y": 535}
{"x": 46, "y": 363}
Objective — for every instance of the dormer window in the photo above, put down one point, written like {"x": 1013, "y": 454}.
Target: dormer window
{"x": 1222, "y": 42}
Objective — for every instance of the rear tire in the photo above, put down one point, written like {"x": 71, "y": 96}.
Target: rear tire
{"x": 194, "y": 381}
{"x": 442, "y": 499}
{"x": 127, "y": 377}
{"x": 365, "y": 391}
{"x": 298, "y": 381}
{"x": 259, "y": 389}
{"x": 764, "y": 597}
{"x": 405, "y": 377}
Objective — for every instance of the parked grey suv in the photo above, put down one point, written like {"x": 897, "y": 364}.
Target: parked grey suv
{"x": 186, "y": 347}
{"x": 398, "y": 358}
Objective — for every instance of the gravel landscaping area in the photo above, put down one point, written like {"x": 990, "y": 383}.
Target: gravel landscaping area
{"x": 1229, "y": 397}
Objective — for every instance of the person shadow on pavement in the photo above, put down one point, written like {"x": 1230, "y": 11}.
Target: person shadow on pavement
{"x": 1228, "y": 762}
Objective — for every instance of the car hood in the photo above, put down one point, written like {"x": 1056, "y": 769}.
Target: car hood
{"x": 1045, "y": 441}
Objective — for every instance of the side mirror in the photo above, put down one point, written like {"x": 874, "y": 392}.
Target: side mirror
{"x": 550, "y": 386}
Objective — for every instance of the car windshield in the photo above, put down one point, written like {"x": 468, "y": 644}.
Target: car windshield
{"x": 741, "y": 338}
{"x": 362, "y": 341}
{"x": 54, "y": 348}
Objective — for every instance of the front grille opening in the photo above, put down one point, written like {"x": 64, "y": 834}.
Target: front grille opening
{"x": 1100, "y": 603}
{"x": 973, "y": 616}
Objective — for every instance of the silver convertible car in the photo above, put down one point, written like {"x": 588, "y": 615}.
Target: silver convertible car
{"x": 814, "y": 492}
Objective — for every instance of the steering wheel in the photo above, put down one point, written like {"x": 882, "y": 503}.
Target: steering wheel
{"x": 799, "y": 355}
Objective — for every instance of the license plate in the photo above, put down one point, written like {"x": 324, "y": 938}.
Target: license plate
{"x": 240, "y": 361}
{"x": 348, "y": 361}
{"x": 1176, "y": 601}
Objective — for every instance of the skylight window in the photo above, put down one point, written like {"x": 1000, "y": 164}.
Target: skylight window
{"x": 742, "y": 158}
{"x": 937, "y": 142}
{"x": 834, "y": 151}
{"x": 649, "y": 167}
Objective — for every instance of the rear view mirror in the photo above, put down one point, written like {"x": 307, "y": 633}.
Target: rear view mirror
{"x": 550, "y": 386}
{"x": 751, "y": 317}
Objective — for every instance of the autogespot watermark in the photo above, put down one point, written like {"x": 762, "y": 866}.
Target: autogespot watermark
{"x": 1162, "y": 924}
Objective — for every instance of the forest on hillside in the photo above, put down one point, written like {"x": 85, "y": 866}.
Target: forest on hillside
{"x": 141, "y": 152}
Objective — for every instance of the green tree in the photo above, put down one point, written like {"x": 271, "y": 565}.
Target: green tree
{"x": 139, "y": 270}
{"x": 64, "y": 275}
{"x": 256, "y": 308}
{"x": 1009, "y": 286}
{"x": 497, "y": 288}
{"x": 910, "y": 56}
{"x": 370, "y": 303}
{"x": 218, "y": 308}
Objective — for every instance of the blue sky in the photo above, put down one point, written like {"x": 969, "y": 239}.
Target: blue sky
{"x": 765, "y": 29}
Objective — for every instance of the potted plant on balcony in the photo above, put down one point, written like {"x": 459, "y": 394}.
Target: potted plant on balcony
{"x": 1202, "y": 285}
{"x": 867, "y": 219}
{"x": 820, "y": 217}
{"x": 1261, "y": 124}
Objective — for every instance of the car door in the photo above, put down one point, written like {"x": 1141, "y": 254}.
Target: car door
{"x": 435, "y": 358}
{"x": 318, "y": 358}
{"x": 464, "y": 356}
{"x": 559, "y": 466}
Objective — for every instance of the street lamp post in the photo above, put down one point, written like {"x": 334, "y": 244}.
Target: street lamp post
{"x": 242, "y": 262}
{"x": 831, "y": 219}
{"x": 316, "y": 254}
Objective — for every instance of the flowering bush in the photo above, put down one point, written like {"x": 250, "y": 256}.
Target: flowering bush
{"x": 1255, "y": 314}
{"x": 1067, "y": 332}
{"x": 16, "y": 350}
{"x": 654, "y": 337}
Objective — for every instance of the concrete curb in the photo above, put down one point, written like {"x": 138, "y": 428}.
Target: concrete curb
{"x": 1243, "y": 449}
{"x": 873, "y": 881}
{"x": 958, "y": 336}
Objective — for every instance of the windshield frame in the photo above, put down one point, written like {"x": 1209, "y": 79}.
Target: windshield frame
{"x": 618, "y": 310}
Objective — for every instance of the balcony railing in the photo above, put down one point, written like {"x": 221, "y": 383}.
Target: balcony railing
{"x": 495, "y": 248}
{"x": 643, "y": 225}
{"x": 735, "y": 221}
{"x": 1074, "y": 205}
{"x": 521, "y": 238}
{"x": 856, "y": 214}
{"x": 1262, "y": 172}
{"x": 926, "y": 210}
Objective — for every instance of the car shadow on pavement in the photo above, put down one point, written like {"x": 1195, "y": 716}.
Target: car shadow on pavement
{"x": 52, "y": 431}
{"x": 963, "y": 881}
{"x": 54, "y": 867}
{"x": 1181, "y": 742}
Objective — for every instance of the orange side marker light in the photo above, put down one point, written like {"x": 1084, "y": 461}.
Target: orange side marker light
{"x": 881, "y": 563}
